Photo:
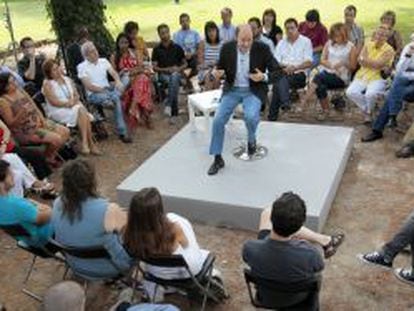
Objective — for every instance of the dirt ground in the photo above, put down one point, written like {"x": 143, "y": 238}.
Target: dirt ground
{"x": 375, "y": 195}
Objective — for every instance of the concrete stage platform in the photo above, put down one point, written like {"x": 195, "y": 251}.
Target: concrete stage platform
{"x": 307, "y": 159}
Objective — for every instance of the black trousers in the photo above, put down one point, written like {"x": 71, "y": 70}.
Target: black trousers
{"x": 281, "y": 92}
{"x": 36, "y": 160}
{"x": 327, "y": 81}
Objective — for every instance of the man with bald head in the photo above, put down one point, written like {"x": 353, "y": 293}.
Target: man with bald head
{"x": 248, "y": 66}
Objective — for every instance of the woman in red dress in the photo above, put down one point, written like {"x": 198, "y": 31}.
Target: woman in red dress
{"x": 136, "y": 77}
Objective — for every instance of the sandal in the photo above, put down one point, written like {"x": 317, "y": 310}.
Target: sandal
{"x": 330, "y": 249}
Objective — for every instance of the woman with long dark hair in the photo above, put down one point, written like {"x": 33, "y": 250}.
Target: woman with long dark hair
{"x": 270, "y": 28}
{"x": 208, "y": 56}
{"x": 136, "y": 77}
{"x": 82, "y": 218}
{"x": 149, "y": 232}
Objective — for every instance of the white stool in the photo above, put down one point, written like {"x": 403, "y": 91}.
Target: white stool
{"x": 206, "y": 102}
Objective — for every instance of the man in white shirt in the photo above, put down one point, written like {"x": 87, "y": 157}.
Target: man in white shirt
{"x": 294, "y": 54}
{"x": 402, "y": 86}
{"x": 257, "y": 30}
{"x": 93, "y": 72}
{"x": 227, "y": 30}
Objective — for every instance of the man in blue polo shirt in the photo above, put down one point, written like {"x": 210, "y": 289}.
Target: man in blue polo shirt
{"x": 31, "y": 215}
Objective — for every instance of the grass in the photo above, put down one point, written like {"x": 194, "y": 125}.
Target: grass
{"x": 29, "y": 16}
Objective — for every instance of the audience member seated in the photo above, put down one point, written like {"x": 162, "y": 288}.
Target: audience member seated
{"x": 150, "y": 232}
{"x": 81, "y": 218}
{"x": 407, "y": 149}
{"x": 208, "y": 55}
{"x": 93, "y": 72}
{"x": 188, "y": 40}
{"x": 25, "y": 180}
{"x": 70, "y": 296}
{"x": 16, "y": 76}
{"x": 385, "y": 256}
{"x": 394, "y": 37}
{"x": 294, "y": 54}
{"x": 136, "y": 42}
{"x": 35, "y": 159}
{"x": 338, "y": 61}
{"x": 168, "y": 60}
{"x": 26, "y": 122}
{"x": 402, "y": 85}
{"x": 227, "y": 30}
{"x": 258, "y": 35}
{"x": 270, "y": 29}
{"x": 316, "y": 32}
{"x": 355, "y": 32}
{"x": 74, "y": 53}
{"x": 283, "y": 252}
{"x": 64, "y": 106}
{"x": 368, "y": 82}
{"x": 136, "y": 78}
{"x": 31, "y": 215}
{"x": 30, "y": 68}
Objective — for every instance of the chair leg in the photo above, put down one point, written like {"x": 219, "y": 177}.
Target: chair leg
{"x": 66, "y": 272}
{"x": 32, "y": 295}
{"x": 30, "y": 269}
{"x": 155, "y": 293}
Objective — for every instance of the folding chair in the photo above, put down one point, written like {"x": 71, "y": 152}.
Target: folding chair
{"x": 269, "y": 294}
{"x": 194, "y": 284}
{"x": 48, "y": 251}
{"x": 93, "y": 252}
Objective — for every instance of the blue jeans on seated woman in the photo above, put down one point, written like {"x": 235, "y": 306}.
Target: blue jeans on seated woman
{"x": 326, "y": 81}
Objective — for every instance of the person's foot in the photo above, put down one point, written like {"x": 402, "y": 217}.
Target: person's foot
{"x": 373, "y": 136}
{"x": 272, "y": 119}
{"x": 95, "y": 151}
{"x": 126, "y": 139}
{"x": 216, "y": 166}
{"x": 392, "y": 123}
{"x": 406, "y": 151}
{"x": 405, "y": 275}
{"x": 375, "y": 258}
{"x": 85, "y": 151}
{"x": 173, "y": 120}
{"x": 167, "y": 111}
{"x": 251, "y": 148}
{"x": 333, "y": 245}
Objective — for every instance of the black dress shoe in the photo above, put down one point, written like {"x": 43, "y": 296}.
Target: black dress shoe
{"x": 251, "y": 148}
{"x": 406, "y": 151}
{"x": 126, "y": 139}
{"x": 373, "y": 136}
{"x": 216, "y": 166}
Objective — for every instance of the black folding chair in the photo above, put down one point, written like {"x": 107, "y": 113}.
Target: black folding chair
{"x": 269, "y": 294}
{"x": 48, "y": 251}
{"x": 93, "y": 252}
{"x": 199, "y": 284}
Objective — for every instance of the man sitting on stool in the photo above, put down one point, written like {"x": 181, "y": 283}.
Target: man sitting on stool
{"x": 244, "y": 63}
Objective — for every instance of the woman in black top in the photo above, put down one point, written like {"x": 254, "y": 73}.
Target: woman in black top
{"x": 270, "y": 29}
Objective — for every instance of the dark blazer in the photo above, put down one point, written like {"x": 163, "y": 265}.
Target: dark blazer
{"x": 260, "y": 58}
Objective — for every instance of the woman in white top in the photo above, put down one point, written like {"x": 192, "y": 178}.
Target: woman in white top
{"x": 151, "y": 232}
{"x": 338, "y": 61}
{"x": 63, "y": 105}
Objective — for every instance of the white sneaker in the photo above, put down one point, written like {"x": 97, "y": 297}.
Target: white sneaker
{"x": 167, "y": 111}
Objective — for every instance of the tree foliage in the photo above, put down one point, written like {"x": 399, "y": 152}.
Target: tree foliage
{"x": 68, "y": 16}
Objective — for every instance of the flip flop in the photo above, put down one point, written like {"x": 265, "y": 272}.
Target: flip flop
{"x": 333, "y": 245}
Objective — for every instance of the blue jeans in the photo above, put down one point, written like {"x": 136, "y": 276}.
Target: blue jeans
{"x": 400, "y": 87}
{"x": 111, "y": 95}
{"x": 152, "y": 307}
{"x": 173, "y": 81}
{"x": 251, "y": 108}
